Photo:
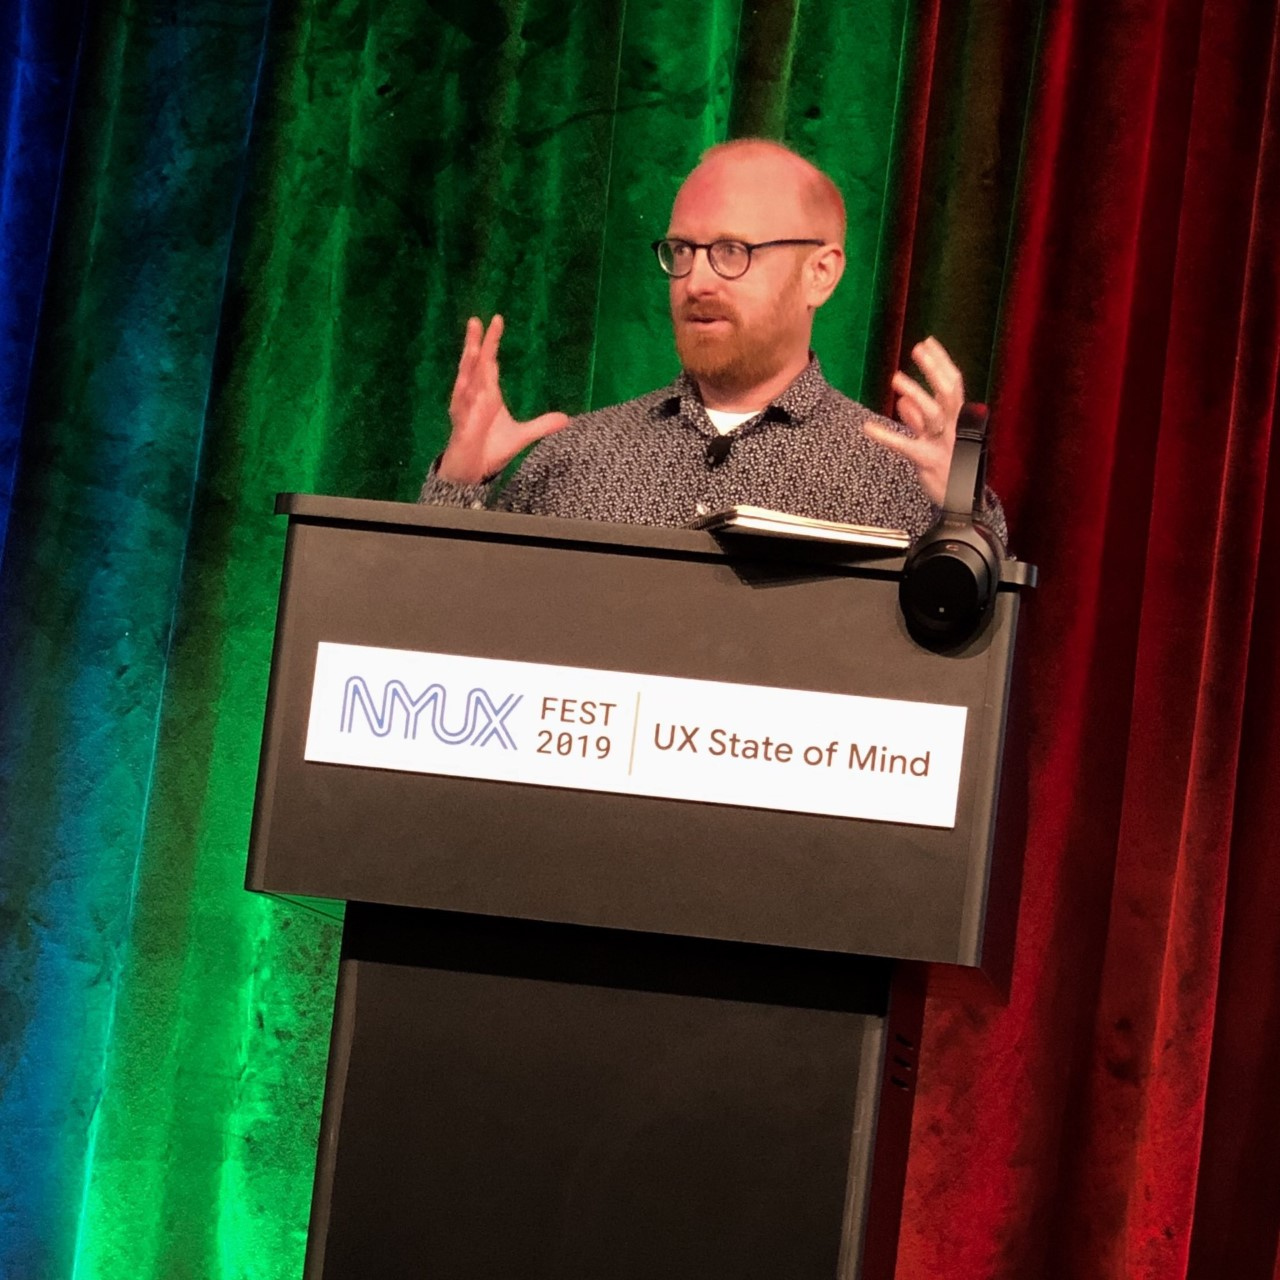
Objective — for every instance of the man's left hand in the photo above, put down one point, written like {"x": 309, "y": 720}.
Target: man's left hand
{"x": 931, "y": 417}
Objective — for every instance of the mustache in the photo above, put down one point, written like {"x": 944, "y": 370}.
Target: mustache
{"x": 695, "y": 310}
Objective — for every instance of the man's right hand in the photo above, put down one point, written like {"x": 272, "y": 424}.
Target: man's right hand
{"x": 485, "y": 436}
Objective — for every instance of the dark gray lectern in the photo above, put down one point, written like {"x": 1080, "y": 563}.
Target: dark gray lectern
{"x": 588, "y": 1034}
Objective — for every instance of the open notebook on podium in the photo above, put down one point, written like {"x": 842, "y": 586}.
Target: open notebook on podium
{"x": 780, "y": 524}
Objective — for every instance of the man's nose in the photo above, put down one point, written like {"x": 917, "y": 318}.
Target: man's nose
{"x": 701, "y": 275}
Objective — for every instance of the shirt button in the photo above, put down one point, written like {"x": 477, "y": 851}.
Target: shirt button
{"x": 702, "y": 509}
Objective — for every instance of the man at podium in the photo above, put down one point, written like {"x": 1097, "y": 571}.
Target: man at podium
{"x": 754, "y": 248}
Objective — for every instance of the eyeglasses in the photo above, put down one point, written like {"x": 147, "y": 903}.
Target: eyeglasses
{"x": 728, "y": 258}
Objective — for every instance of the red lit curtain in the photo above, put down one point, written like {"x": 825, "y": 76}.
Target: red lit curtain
{"x": 1120, "y": 1118}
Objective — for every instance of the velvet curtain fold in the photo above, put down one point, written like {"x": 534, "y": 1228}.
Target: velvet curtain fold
{"x": 272, "y": 220}
{"x": 38, "y": 46}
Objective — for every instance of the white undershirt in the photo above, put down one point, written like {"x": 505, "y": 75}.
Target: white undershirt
{"x": 724, "y": 421}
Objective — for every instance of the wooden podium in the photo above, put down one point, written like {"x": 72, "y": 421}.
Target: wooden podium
{"x": 582, "y": 1033}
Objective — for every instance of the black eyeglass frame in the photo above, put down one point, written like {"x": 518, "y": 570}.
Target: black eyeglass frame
{"x": 657, "y": 245}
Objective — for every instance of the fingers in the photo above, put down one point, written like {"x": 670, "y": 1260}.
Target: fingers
{"x": 941, "y": 409}
{"x": 489, "y": 348}
{"x": 918, "y": 450}
{"x": 470, "y": 342}
{"x": 487, "y": 366}
{"x": 914, "y": 405}
{"x": 477, "y": 380}
{"x": 940, "y": 371}
{"x": 892, "y": 440}
{"x": 545, "y": 424}
{"x": 462, "y": 384}
{"x": 929, "y": 455}
{"x": 931, "y": 416}
{"x": 480, "y": 346}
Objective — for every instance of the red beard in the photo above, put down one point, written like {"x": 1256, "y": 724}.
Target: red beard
{"x": 727, "y": 354}
{"x": 704, "y": 348}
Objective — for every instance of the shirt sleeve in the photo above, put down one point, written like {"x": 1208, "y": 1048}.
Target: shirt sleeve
{"x": 445, "y": 493}
{"x": 524, "y": 493}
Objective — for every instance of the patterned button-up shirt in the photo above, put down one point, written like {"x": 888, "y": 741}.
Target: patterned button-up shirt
{"x": 646, "y": 462}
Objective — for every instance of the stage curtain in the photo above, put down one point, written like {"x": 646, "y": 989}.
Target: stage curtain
{"x": 270, "y": 219}
{"x": 1115, "y": 1120}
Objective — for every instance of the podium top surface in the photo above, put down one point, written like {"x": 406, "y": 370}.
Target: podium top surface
{"x": 661, "y": 539}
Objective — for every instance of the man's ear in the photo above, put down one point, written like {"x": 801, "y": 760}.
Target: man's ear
{"x": 823, "y": 273}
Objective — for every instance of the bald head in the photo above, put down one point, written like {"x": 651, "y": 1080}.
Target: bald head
{"x": 777, "y": 169}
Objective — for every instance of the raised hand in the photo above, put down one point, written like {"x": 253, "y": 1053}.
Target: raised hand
{"x": 485, "y": 436}
{"x": 931, "y": 418}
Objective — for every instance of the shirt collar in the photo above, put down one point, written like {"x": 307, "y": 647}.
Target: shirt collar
{"x": 793, "y": 406}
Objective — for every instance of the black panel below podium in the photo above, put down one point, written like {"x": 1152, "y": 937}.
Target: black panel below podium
{"x": 509, "y": 1098}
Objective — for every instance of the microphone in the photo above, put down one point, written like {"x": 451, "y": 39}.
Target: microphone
{"x": 718, "y": 450}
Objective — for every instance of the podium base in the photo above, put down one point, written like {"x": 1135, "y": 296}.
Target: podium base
{"x": 510, "y": 1098}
